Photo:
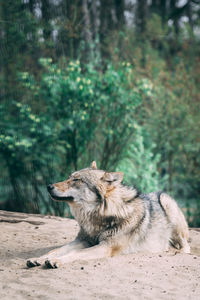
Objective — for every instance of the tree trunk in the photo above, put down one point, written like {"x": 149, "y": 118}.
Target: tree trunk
{"x": 141, "y": 16}
{"x": 189, "y": 15}
{"x": 163, "y": 11}
{"x": 31, "y": 6}
{"x": 94, "y": 19}
{"x": 106, "y": 24}
{"x": 141, "y": 21}
{"x": 46, "y": 19}
{"x": 87, "y": 36}
{"x": 119, "y": 8}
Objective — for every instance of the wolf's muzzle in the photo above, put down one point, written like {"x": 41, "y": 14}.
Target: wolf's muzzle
{"x": 55, "y": 194}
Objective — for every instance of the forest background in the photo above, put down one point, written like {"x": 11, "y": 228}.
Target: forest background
{"x": 116, "y": 81}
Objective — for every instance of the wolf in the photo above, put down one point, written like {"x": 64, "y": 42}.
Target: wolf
{"x": 114, "y": 219}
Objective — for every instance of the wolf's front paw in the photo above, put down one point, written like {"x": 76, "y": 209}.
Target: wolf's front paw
{"x": 52, "y": 263}
{"x": 36, "y": 261}
{"x": 33, "y": 262}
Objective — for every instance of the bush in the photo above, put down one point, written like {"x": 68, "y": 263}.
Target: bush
{"x": 141, "y": 165}
{"x": 68, "y": 116}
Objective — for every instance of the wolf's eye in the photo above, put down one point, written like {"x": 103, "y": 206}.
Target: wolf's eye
{"x": 76, "y": 179}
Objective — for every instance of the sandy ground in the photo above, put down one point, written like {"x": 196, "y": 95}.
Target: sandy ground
{"x": 134, "y": 276}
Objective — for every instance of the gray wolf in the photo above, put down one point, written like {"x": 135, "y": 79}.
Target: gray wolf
{"x": 114, "y": 219}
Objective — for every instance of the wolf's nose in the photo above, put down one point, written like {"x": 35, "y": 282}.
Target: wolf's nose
{"x": 50, "y": 187}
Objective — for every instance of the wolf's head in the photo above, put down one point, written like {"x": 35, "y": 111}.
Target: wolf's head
{"x": 88, "y": 186}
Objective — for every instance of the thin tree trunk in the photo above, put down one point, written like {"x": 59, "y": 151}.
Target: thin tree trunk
{"x": 46, "y": 19}
{"x": 87, "y": 35}
{"x": 141, "y": 23}
{"x": 31, "y": 6}
{"x": 94, "y": 19}
{"x": 119, "y": 8}
{"x": 141, "y": 16}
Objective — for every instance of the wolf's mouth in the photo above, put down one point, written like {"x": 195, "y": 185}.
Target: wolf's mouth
{"x": 55, "y": 196}
{"x": 58, "y": 198}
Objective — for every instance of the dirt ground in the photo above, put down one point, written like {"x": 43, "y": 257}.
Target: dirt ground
{"x": 134, "y": 276}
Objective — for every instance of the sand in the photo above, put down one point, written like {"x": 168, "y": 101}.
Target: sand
{"x": 134, "y": 276}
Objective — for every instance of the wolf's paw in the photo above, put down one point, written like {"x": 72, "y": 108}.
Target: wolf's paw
{"x": 33, "y": 262}
{"x": 52, "y": 263}
{"x": 186, "y": 249}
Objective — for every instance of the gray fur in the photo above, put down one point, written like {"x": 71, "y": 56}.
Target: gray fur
{"x": 116, "y": 218}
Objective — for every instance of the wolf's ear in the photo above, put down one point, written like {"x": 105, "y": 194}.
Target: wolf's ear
{"x": 113, "y": 177}
{"x": 94, "y": 165}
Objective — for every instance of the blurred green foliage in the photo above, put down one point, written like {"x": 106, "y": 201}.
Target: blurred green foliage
{"x": 123, "y": 92}
{"x": 140, "y": 164}
{"x": 85, "y": 115}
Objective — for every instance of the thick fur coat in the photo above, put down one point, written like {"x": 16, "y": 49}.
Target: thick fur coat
{"x": 114, "y": 219}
